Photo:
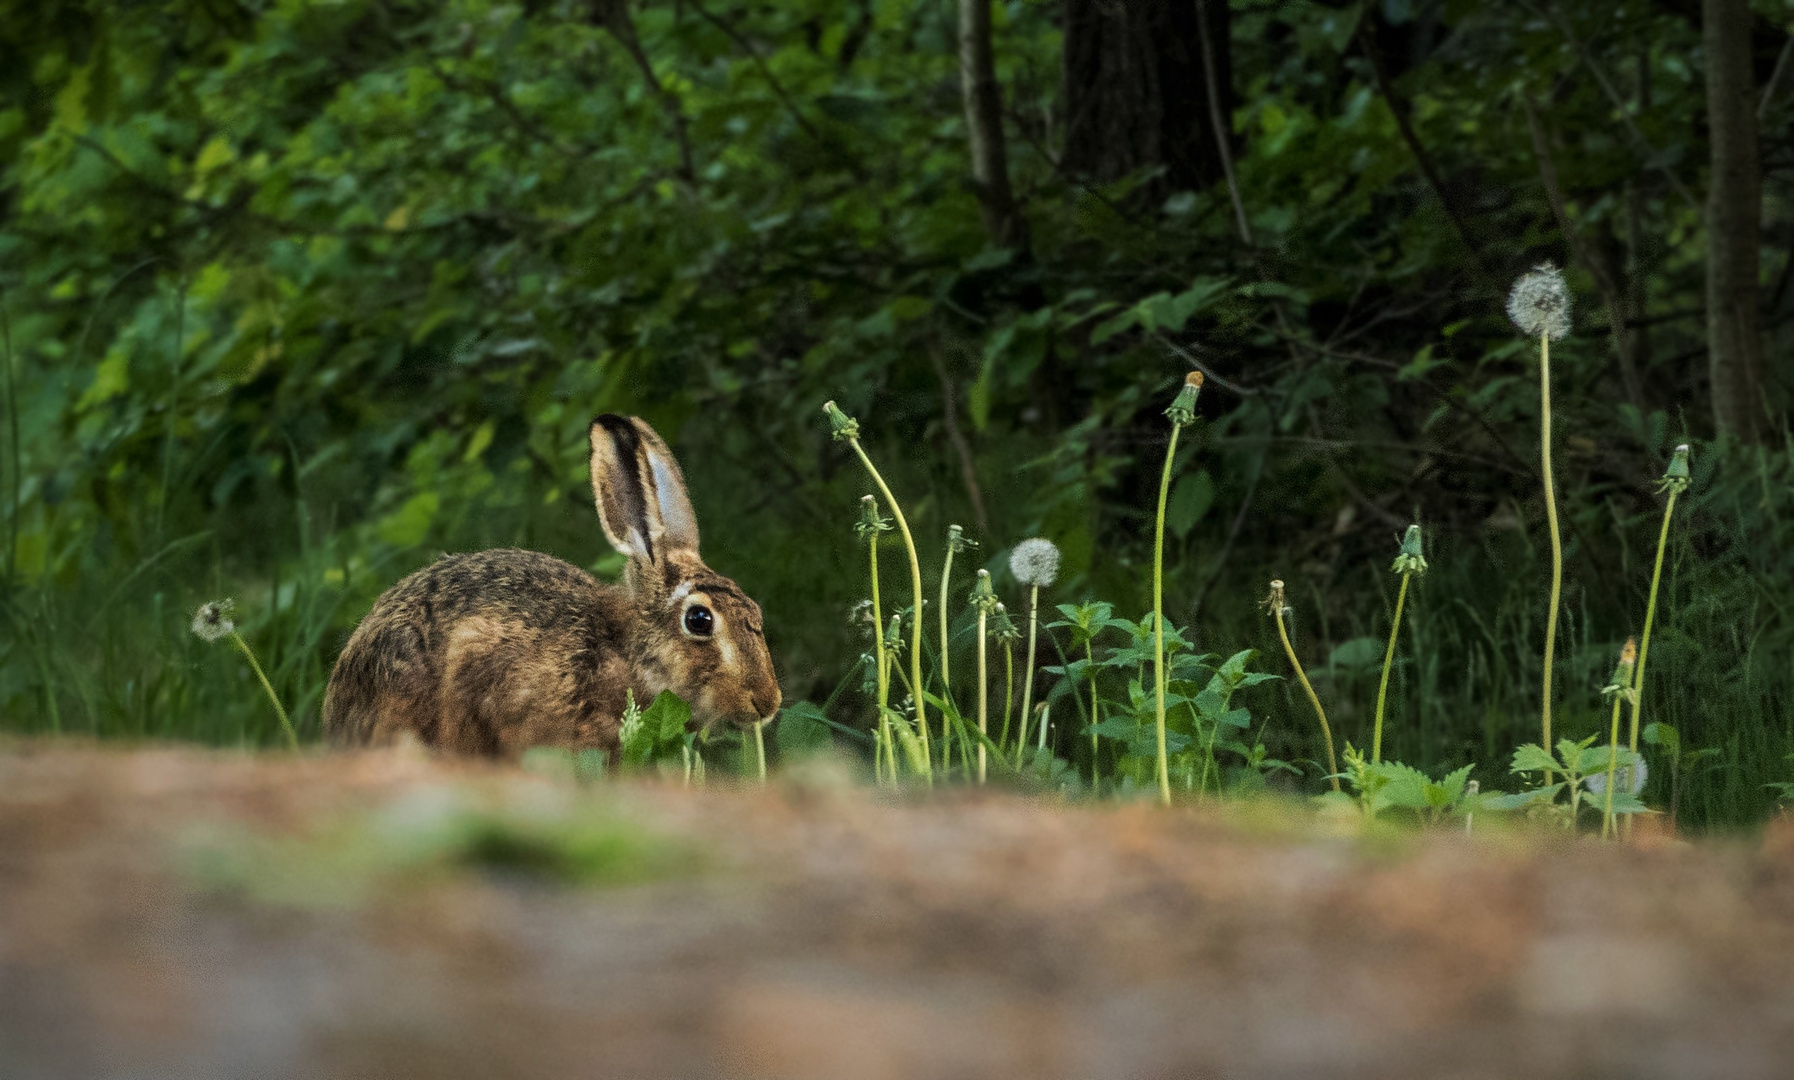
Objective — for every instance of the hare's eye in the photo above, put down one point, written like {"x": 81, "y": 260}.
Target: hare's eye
{"x": 699, "y": 622}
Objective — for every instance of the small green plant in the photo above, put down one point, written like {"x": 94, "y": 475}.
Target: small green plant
{"x": 1384, "y": 785}
{"x": 1539, "y": 305}
{"x": 1182, "y": 413}
{"x": 1669, "y": 740}
{"x": 1568, "y": 773}
{"x": 657, "y": 737}
{"x": 846, "y": 429}
{"x": 1085, "y": 621}
{"x": 1409, "y": 563}
{"x": 213, "y": 622}
{"x": 1278, "y": 608}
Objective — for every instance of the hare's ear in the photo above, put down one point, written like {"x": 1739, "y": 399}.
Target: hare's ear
{"x": 639, "y": 490}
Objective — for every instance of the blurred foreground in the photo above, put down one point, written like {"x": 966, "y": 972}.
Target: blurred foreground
{"x": 198, "y": 914}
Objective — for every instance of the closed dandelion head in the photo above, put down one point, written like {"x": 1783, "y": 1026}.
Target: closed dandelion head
{"x": 1003, "y": 628}
{"x": 840, "y": 425}
{"x": 1411, "y": 560}
{"x": 212, "y": 621}
{"x": 1035, "y": 562}
{"x": 1621, "y": 683}
{"x": 957, "y": 542}
{"x": 1675, "y": 478}
{"x": 1183, "y": 409}
{"x": 983, "y": 598}
{"x": 1539, "y": 303}
{"x": 871, "y": 522}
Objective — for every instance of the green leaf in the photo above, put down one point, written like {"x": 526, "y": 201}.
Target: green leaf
{"x": 1533, "y": 758}
{"x": 1359, "y": 652}
{"x": 666, "y": 719}
{"x": 802, "y": 729}
{"x": 1190, "y": 499}
{"x": 1454, "y": 782}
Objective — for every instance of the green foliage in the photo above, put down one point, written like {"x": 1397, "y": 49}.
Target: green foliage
{"x": 296, "y": 296}
{"x": 1567, "y": 772}
{"x": 1380, "y": 786}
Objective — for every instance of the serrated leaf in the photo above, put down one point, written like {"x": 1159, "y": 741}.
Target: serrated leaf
{"x": 1533, "y": 758}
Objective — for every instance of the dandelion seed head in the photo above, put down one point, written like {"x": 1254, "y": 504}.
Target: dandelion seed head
{"x": 1539, "y": 303}
{"x": 212, "y": 621}
{"x": 1035, "y": 562}
{"x": 1626, "y": 778}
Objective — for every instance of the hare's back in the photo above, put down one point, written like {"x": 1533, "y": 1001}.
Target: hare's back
{"x": 485, "y": 653}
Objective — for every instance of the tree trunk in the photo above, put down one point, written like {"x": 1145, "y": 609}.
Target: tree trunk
{"x": 1734, "y": 224}
{"x": 1003, "y": 222}
{"x": 1136, "y": 94}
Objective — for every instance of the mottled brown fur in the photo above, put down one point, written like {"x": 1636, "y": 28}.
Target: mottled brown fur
{"x": 494, "y": 652}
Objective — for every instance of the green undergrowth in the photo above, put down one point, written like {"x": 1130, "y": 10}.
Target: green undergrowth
{"x": 550, "y": 834}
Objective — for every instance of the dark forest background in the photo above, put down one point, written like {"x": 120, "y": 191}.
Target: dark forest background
{"x": 299, "y": 294}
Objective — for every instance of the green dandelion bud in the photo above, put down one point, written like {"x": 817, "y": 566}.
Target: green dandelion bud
{"x": 1183, "y": 410}
{"x": 1003, "y": 627}
{"x": 983, "y": 598}
{"x": 840, "y": 425}
{"x": 871, "y": 522}
{"x": 1411, "y": 560}
{"x": 1675, "y": 478}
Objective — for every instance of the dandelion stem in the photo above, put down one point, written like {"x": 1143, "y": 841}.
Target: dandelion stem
{"x": 1008, "y": 690}
{"x": 1613, "y": 761}
{"x": 760, "y": 748}
{"x": 1644, "y": 640}
{"x": 882, "y": 662}
{"x": 1095, "y": 717}
{"x": 1028, "y": 674}
{"x": 1307, "y": 687}
{"x": 983, "y": 692}
{"x": 1376, "y": 738}
{"x": 946, "y": 682}
{"x": 915, "y": 576}
{"x": 1557, "y": 547}
{"x": 1158, "y": 618}
{"x": 286, "y": 725}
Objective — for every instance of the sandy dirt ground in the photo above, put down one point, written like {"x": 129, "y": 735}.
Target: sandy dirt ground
{"x": 179, "y": 913}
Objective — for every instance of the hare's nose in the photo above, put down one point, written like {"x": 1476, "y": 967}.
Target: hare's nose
{"x": 765, "y": 705}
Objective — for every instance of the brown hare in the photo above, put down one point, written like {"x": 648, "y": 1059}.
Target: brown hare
{"x": 499, "y": 651}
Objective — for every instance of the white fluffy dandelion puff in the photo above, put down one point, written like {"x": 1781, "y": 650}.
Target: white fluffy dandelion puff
{"x": 1539, "y": 303}
{"x": 212, "y": 622}
{"x": 1630, "y": 777}
{"x": 1035, "y": 562}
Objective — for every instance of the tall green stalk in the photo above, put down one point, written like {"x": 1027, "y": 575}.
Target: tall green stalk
{"x": 1539, "y": 305}
{"x": 984, "y": 601}
{"x": 1619, "y": 688}
{"x": 1278, "y": 608}
{"x": 1181, "y": 413}
{"x": 1408, "y": 563}
{"x": 954, "y": 539}
{"x": 1557, "y": 544}
{"x": 1674, "y": 481}
{"x": 846, "y": 429}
